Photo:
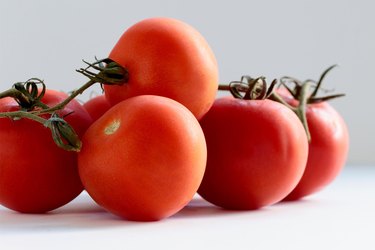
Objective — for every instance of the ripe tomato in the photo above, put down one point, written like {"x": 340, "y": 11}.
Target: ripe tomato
{"x": 36, "y": 176}
{"x": 328, "y": 149}
{"x": 144, "y": 158}
{"x": 257, "y": 151}
{"x": 169, "y": 58}
{"x": 97, "y": 106}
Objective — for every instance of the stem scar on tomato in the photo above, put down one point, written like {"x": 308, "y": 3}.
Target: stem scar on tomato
{"x": 112, "y": 127}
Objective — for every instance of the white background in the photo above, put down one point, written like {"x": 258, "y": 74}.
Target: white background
{"x": 339, "y": 217}
{"x": 48, "y": 39}
{"x": 301, "y": 38}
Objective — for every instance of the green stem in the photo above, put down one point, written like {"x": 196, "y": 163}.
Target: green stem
{"x": 61, "y": 105}
{"x": 314, "y": 93}
{"x": 34, "y": 115}
{"x": 301, "y": 108}
{"x": 22, "y": 114}
{"x": 28, "y": 97}
{"x": 62, "y": 133}
{"x": 14, "y": 93}
{"x": 224, "y": 87}
{"x": 277, "y": 98}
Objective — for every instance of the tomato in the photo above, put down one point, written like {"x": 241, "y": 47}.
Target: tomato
{"x": 256, "y": 153}
{"x": 144, "y": 159}
{"x": 328, "y": 149}
{"x": 36, "y": 176}
{"x": 166, "y": 57}
{"x": 97, "y": 106}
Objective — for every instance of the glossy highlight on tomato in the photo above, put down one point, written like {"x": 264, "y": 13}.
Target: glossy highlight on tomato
{"x": 166, "y": 57}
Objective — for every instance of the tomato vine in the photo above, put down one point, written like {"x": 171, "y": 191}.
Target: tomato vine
{"x": 29, "y": 96}
{"x": 304, "y": 92}
{"x": 256, "y": 89}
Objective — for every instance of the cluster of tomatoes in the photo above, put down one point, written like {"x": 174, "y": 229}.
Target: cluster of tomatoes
{"x": 158, "y": 135}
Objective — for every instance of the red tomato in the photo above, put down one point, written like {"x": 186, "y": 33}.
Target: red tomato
{"x": 328, "y": 149}
{"x": 97, "y": 106}
{"x": 36, "y": 176}
{"x": 169, "y": 58}
{"x": 257, "y": 151}
{"x": 144, "y": 158}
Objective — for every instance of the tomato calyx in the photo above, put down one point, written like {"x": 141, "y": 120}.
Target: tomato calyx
{"x": 300, "y": 109}
{"x": 253, "y": 88}
{"x": 109, "y": 72}
{"x": 256, "y": 89}
{"x": 295, "y": 90}
{"x": 29, "y": 96}
{"x": 249, "y": 88}
{"x": 63, "y": 134}
{"x": 305, "y": 92}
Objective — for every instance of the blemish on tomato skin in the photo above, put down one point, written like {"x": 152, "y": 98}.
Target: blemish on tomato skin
{"x": 112, "y": 127}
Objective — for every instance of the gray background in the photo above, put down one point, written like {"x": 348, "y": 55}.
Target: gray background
{"x": 49, "y": 39}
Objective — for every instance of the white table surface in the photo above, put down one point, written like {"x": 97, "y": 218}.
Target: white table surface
{"x": 340, "y": 217}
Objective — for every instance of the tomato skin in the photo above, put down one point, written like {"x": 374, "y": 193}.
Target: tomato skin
{"x": 97, "y": 106}
{"x": 166, "y": 57}
{"x": 144, "y": 159}
{"x": 257, "y": 151}
{"x": 328, "y": 149}
{"x": 36, "y": 176}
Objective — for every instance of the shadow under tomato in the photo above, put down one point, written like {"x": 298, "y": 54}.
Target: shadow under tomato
{"x": 84, "y": 214}
{"x": 198, "y": 207}
{"x": 81, "y": 213}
